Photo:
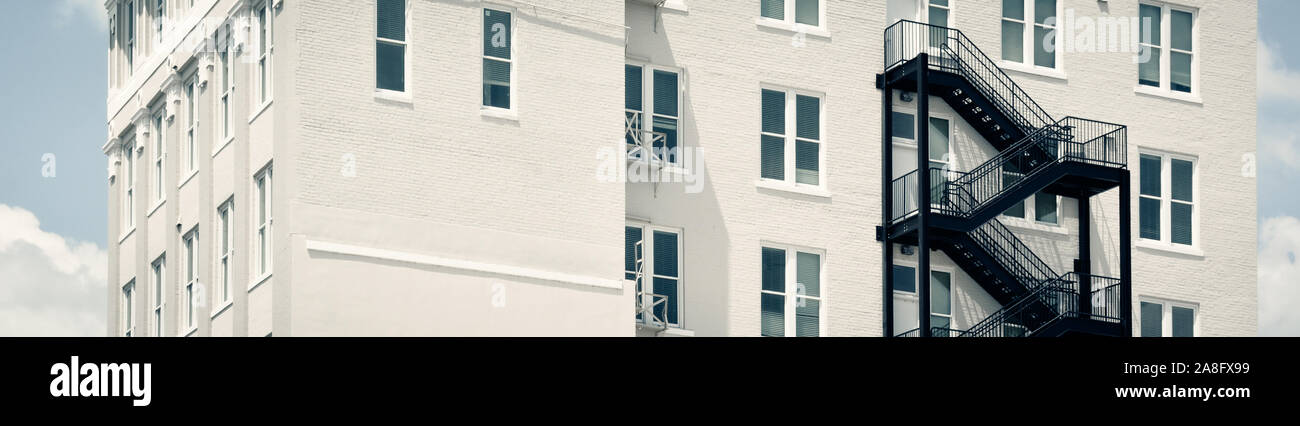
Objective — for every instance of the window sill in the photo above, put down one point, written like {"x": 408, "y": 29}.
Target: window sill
{"x": 258, "y": 281}
{"x": 187, "y": 179}
{"x": 499, "y": 113}
{"x": 155, "y": 207}
{"x": 661, "y": 167}
{"x": 791, "y": 27}
{"x": 814, "y": 191}
{"x": 1166, "y": 248}
{"x": 677, "y": 5}
{"x": 126, "y": 235}
{"x": 1032, "y": 70}
{"x": 222, "y": 308}
{"x": 1026, "y": 224}
{"x": 1161, "y": 93}
{"x": 260, "y": 109}
{"x": 223, "y": 146}
{"x": 392, "y": 96}
{"x": 190, "y": 332}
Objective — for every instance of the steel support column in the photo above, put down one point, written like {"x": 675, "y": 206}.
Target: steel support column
{"x": 887, "y": 206}
{"x": 1084, "y": 269}
{"x": 1126, "y": 255}
{"x": 923, "y": 193}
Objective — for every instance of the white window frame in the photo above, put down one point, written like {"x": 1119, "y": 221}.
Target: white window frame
{"x": 1028, "y": 24}
{"x": 224, "y": 248}
{"x": 792, "y": 294}
{"x": 159, "y": 157}
{"x": 648, "y": 264}
{"x": 159, "y": 271}
{"x": 910, "y": 145}
{"x": 192, "y": 125}
{"x": 128, "y": 308}
{"x": 226, "y": 89}
{"x": 1166, "y": 47}
{"x": 190, "y": 247}
{"x": 264, "y": 13}
{"x": 1166, "y": 200}
{"x": 130, "y": 7}
{"x": 648, "y": 114}
{"x": 1167, "y": 315}
{"x": 915, "y": 296}
{"x": 406, "y": 54}
{"x": 263, "y": 187}
{"x": 789, "y": 21}
{"x": 791, "y": 139}
{"x": 514, "y": 20}
{"x": 159, "y": 16}
{"x": 128, "y": 186}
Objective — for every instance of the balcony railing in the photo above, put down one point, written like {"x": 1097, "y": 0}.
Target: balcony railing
{"x": 643, "y": 144}
{"x": 1055, "y": 299}
{"x": 951, "y": 51}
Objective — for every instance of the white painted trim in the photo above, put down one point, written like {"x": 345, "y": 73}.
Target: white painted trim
{"x": 784, "y": 186}
{"x": 468, "y": 265}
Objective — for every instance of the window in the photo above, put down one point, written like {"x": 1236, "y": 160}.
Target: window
{"x": 158, "y": 276}
{"x": 807, "y": 12}
{"x": 159, "y": 153}
{"x": 227, "y": 83}
{"x": 191, "y": 243}
{"x": 662, "y": 100}
{"x": 1023, "y": 39}
{"x": 498, "y": 65}
{"x": 790, "y": 140}
{"x": 262, "y": 181}
{"x": 659, "y": 260}
{"x": 224, "y": 250}
{"x": 791, "y": 294}
{"x": 128, "y": 186}
{"x": 265, "y": 48}
{"x": 191, "y": 133}
{"x": 128, "y": 309}
{"x": 1167, "y": 29}
{"x": 1166, "y": 211}
{"x": 390, "y": 45}
{"x": 1163, "y": 318}
{"x": 940, "y": 150}
{"x": 159, "y": 15}
{"x": 906, "y": 299}
{"x": 1040, "y": 207}
{"x": 130, "y": 36}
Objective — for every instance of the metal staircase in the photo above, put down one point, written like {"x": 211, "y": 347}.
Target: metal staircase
{"x": 1071, "y": 157}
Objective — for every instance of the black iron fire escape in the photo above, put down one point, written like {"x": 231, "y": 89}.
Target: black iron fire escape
{"x": 1071, "y": 157}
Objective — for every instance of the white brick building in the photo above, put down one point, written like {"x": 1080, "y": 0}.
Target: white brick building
{"x": 439, "y": 167}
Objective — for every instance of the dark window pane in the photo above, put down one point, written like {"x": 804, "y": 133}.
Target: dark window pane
{"x": 1184, "y": 319}
{"x": 805, "y": 12}
{"x": 632, "y": 87}
{"x": 808, "y": 117}
{"x": 1180, "y": 223}
{"x": 390, "y": 60}
{"x": 496, "y": 83}
{"x": 665, "y": 93}
{"x": 904, "y": 125}
{"x": 1149, "y": 218}
{"x": 631, "y": 239}
{"x": 1044, "y": 47}
{"x": 904, "y": 279}
{"x": 666, "y": 287}
{"x": 774, "y": 9}
{"x": 1014, "y": 9}
{"x": 1180, "y": 30}
{"x": 1044, "y": 10}
{"x": 1150, "y": 23}
{"x": 774, "y": 270}
{"x": 940, "y": 293}
{"x": 806, "y": 162}
{"x": 496, "y": 34}
{"x": 667, "y": 126}
{"x": 392, "y": 19}
{"x": 1013, "y": 41}
{"x": 808, "y": 274}
{"x": 1180, "y": 72}
{"x": 807, "y": 322}
{"x": 774, "y": 112}
{"x": 1150, "y": 179}
{"x": 665, "y": 253}
{"x": 1045, "y": 207}
{"x": 1152, "y": 319}
{"x": 773, "y": 157}
{"x": 1180, "y": 184}
{"x": 773, "y": 315}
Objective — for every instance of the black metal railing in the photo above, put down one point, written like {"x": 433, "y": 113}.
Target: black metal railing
{"x": 951, "y": 51}
{"x": 1054, "y": 299}
{"x": 934, "y": 332}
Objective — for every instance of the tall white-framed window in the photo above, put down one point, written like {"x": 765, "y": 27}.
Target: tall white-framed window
{"x": 498, "y": 57}
{"x": 656, "y": 106}
{"x": 1168, "y": 38}
{"x": 391, "y": 38}
{"x": 802, "y": 12}
{"x": 128, "y": 309}
{"x": 1167, "y": 318}
{"x": 227, "y": 83}
{"x": 192, "y": 123}
{"x": 128, "y": 185}
{"x": 903, "y": 136}
{"x": 130, "y": 36}
{"x": 158, "y": 268}
{"x": 190, "y": 242}
{"x": 792, "y": 295}
{"x": 791, "y": 138}
{"x": 657, "y": 252}
{"x": 1029, "y": 33}
{"x": 906, "y": 299}
{"x": 1040, "y": 207}
{"x": 159, "y": 17}
{"x": 159, "y": 154}
{"x": 224, "y": 250}
{"x": 265, "y": 48}
{"x": 262, "y": 190}
{"x": 1166, "y": 198}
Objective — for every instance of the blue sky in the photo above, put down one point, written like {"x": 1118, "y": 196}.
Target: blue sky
{"x": 53, "y": 229}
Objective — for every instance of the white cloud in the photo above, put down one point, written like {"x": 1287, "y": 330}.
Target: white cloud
{"x": 1279, "y": 277}
{"x": 68, "y": 12}
{"x": 49, "y": 285}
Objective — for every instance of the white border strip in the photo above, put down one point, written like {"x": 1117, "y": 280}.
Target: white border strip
{"x": 513, "y": 271}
